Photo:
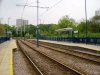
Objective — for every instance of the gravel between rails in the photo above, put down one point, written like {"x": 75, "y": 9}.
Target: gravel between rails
{"x": 86, "y": 66}
{"x": 21, "y": 64}
{"x": 46, "y": 65}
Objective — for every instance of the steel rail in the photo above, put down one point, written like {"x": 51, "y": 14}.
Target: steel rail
{"x": 33, "y": 64}
{"x": 80, "y": 73}
{"x": 54, "y": 48}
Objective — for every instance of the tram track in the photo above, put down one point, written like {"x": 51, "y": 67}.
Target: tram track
{"x": 81, "y": 64}
{"x": 65, "y": 70}
{"x": 64, "y": 49}
{"x": 36, "y": 70}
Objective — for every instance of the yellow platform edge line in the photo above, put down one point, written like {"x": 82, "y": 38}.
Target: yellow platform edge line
{"x": 11, "y": 62}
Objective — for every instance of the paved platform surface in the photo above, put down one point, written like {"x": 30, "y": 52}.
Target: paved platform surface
{"x": 6, "y": 58}
{"x": 93, "y": 47}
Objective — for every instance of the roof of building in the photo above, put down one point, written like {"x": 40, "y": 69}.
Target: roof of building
{"x": 65, "y": 29}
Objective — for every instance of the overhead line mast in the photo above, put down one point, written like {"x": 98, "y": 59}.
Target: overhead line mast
{"x": 37, "y": 33}
{"x": 86, "y": 32}
{"x": 37, "y": 23}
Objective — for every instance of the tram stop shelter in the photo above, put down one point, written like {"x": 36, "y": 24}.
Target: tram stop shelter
{"x": 69, "y": 29}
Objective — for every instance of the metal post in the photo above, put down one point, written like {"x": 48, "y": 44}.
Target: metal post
{"x": 0, "y": 20}
{"x": 86, "y": 21}
{"x": 72, "y": 35}
{"x": 24, "y": 29}
{"x": 8, "y": 20}
{"x": 37, "y": 22}
{"x": 17, "y": 31}
{"x": 7, "y": 28}
{"x": 21, "y": 29}
{"x": 78, "y": 34}
{"x": 37, "y": 33}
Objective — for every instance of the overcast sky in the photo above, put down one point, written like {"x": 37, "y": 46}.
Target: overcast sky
{"x": 72, "y": 8}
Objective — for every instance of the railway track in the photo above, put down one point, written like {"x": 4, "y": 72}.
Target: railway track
{"x": 49, "y": 66}
{"x": 65, "y": 49}
{"x": 31, "y": 63}
{"x": 83, "y": 65}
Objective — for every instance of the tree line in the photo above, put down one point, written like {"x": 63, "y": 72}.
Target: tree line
{"x": 93, "y": 28}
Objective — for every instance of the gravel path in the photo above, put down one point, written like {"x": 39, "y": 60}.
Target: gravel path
{"x": 47, "y": 66}
{"x": 87, "y": 67}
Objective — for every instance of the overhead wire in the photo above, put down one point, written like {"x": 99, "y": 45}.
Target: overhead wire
{"x": 22, "y": 16}
{"x": 51, "y": 7}
{"x": 32, "y": 2}
{"x": 24, "y": 9}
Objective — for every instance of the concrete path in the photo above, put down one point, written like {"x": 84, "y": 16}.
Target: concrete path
{"x": 6, "y": 57}
{"x": 93, "y": 47}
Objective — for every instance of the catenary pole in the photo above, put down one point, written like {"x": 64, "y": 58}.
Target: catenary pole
{"x": 86, "y": 21}
{"x": 37, "y": 28}
{"x": 37, "y": 35}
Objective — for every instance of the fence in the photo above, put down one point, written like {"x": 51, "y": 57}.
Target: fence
{"x": 90, "y": 40}
{"x": 3, "y": 39}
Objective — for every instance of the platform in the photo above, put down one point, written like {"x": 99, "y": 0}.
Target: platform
{"x": 6, "y": 57}
{"x": 88, "y": 46}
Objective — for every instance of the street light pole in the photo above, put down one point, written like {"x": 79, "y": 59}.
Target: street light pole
{"x": 86, "y": 20}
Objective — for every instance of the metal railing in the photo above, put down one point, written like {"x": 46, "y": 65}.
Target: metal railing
{"x": 3, "y": 39}
{"x": 90, "y": 40}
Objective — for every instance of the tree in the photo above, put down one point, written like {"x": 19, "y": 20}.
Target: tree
{"x": 96, "y": 18}
{"x": 13, "y": 30}
{"x": 82, "y": 26}
{"x": 2, "y": 30}
{"x": 95, "y": 27}
{"x": 45, "y": 29}
{"x": 65, "y": 22}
